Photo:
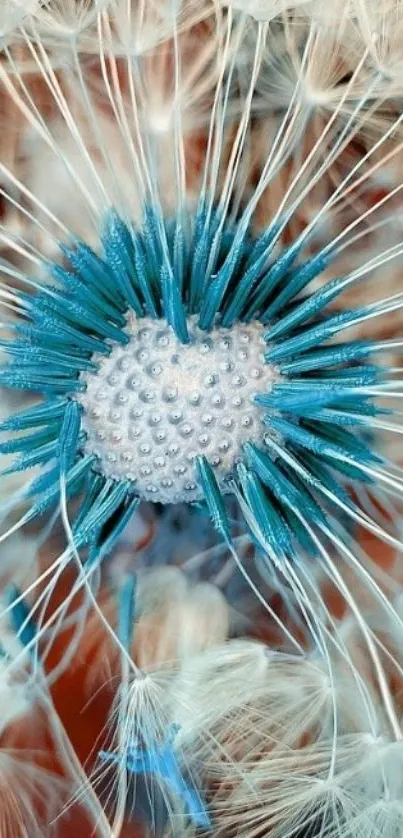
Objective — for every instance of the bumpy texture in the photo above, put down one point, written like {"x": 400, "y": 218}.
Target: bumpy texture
{"x": 155, "y": 404}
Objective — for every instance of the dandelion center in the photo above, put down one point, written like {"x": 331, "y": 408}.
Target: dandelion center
{"x": 155, "y": 404}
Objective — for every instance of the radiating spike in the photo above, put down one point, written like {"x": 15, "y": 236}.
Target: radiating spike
{"x": 269, "y": 521}
{"x": 76, "y": 313}
{"x": 98, "y": 516}
{"x": 316, "y": 444}
{"x": 173, "y": 306}
{"x": 218, "y": 285}
{"x": 295, "y": 401}
{"x": 202, "y": 240}
{"x": 69, "y": 436}
{"x": 90, "y": 296}
{"x": 46, "y": 356}
{"x": 118, "y": 254}
{"x": 24, "y": 443}
{"x": 20, "y": 616}
{"x": 74, "y": 477}
{"x": 240, "y": 297}
{"x": 296, "y": 282}
{"x": 56, "y": 327}
{"x": 40, "y": 455}
{"x": 126, "y": 612}
{"x": 289, "y": 493}
{"x": 307, "y": 309}
{"x": 342, "y": 353}
{"x": 40, "y": 414}
{"x": 213, "y": 497}
{"x": 125, "y": 516}
{"x": 143, "y": 279}
{"x": 94, "y": 272}
{"x": 40, "y": 383}
{"x": 313, "y": 336}
{"x": 272, "y": 278}
{"x": 94, "y": 490}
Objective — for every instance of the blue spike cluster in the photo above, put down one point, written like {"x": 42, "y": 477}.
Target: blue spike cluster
{"x": 315, "y": 414}
{"x": 161, "y": 762}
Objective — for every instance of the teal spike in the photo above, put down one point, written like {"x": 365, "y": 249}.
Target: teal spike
{"x": 33, "y": 441}
{"x": 341, "y": 353}
{"x": 262, "y": 246}
{"x": 316, "y": 444}
{"x": 241, "y": 294}
{"x": 349, "y": 470}
{"x": 44, "y": 481}
{"x": 55, "y": 332}
{"x": 289, "y": 493}
{"x": 296, "y": 282}
{"x": 322, "y": 473}
{"x": 50, "y": 411}
{"x": 39, "y": 456}
{"x": 297, "y": 401}
{"x": 96, "y": 483}
{"x": 307, "y": 309}
{"x": 337, "y": 417}
{"x": 212, "y": 300}
{"x": 99, "y": 515}
{"x": 123, "y": 520}
{"x": 356, "y": 376}
{"x": 272, "y": 278}
{"x": 352, "y": 443}
{"x": 202, "y": 241}
{"x": 20, "y": 617}
{"x": 91, "y": 297}
{"x": 47, "y": 356}
{"x": 97, "y": 493}
{"x": 218, "y": 286}
{"x": 143, "y": 279}
{"x": 69, "y": 436}
{"x": 174, "y": 309}
{"x": 53, "y": 372}
{"x": 304, "y": 539}
{"x": 314, "y": 336}
{"x": 36, "y": 367}
{"x": 94, "y": 272}
{"x": 55, "y": 326}
{"x": 40, "y": 383}
{"x": 153, "y": 233}
{"x": 309, "y": 468}
{"x": 269, "y": 521}
{"x": 179, "y": 255}
{"x": 119, "y": 255}
{"x": 78, "y": 315}
{"x": 213, "y": 497}
{"x": 52, "y": 494}
{"x": 126, "y": 612}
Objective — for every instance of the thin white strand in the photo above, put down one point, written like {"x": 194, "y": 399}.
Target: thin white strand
{"x": 367, "y": 634}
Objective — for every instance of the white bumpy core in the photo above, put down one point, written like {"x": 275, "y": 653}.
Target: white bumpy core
{"x": 156, "y": 403}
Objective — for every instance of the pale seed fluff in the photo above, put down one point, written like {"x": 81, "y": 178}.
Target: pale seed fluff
{"x": 265, "y": 10}
{"x": 155, "y": 404}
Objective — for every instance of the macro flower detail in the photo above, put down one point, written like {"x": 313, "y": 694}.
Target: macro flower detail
{"x": 160, "y": 761}
{"x": 183, "y": 364}
{"x": 156, "y": 403}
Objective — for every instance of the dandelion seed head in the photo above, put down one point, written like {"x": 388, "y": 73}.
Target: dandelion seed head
{"x": 155, "y": 404}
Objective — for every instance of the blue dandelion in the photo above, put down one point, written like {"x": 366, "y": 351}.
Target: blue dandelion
{"x": 184, "y": 363}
